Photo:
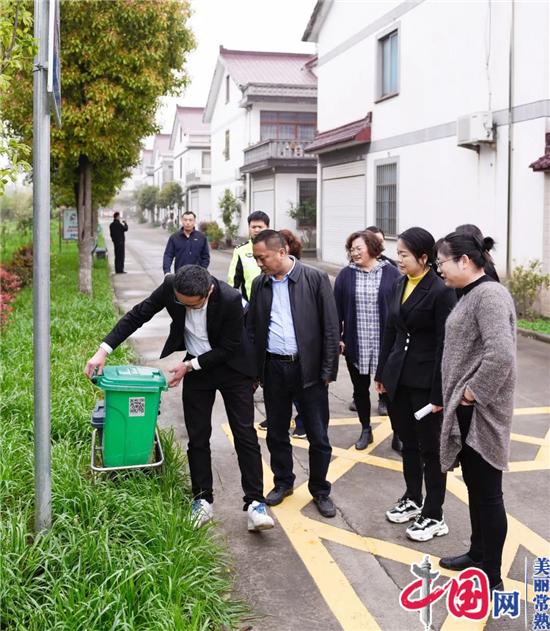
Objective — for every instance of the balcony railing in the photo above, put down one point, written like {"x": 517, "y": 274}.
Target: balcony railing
{"x": 277, "y": 149}
{"x": 198, "y": 176}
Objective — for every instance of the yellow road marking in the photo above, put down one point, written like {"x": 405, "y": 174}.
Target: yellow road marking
{"x": 307, "y": 535}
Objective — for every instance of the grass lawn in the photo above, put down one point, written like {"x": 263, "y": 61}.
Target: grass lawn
{"x": 121, "y": 553}
{"x": 541, "y": 325}
{"x": 11, "y": 239}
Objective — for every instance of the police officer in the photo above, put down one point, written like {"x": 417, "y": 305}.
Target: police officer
{"x": 243, "y": 268}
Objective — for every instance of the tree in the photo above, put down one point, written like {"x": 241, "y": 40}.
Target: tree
{"x": 231, "y": 214}
{"x": 117, "y": 59}
{"x": 146, "y": 198}
{"x": 17, "y": 49}
{"x": 170, "y": 196}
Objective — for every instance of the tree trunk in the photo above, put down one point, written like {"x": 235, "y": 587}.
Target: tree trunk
{"x": 86, "y": 235}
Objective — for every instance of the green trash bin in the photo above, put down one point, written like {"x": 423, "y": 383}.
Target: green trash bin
{"x": 132, "y": 399}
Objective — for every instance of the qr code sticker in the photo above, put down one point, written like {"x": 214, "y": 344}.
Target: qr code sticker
{"x": 137, "y": 406}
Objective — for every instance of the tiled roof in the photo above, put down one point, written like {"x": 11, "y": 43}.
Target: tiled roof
{"x": 543, "y": 163}
{"x": 247, "y": 66}
{"x": 356, "y": 132}
{"x": 190, "y": 118}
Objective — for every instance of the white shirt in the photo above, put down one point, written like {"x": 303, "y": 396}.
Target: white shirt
{"x": 196, "y": 335}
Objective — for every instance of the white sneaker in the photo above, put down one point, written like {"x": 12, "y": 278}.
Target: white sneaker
{"x": 201, "y": 513}
{"x": 425, "y": 528}
{"x": 258, "y": 519}
{"x": 403, "y": 511}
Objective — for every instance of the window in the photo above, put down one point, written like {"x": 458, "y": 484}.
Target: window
{"x": 307, "y": 203}
{"x": 388, "y": 64}
{"x": 287, "y": 125}
{"x": 205, "y": 161}
{"x": 386, "y": 198}
{"x": 227, "y": 88}
{"x": 181, "y": 134}
{"x": 181, "y": 168}
{"x": 226, "y": 153}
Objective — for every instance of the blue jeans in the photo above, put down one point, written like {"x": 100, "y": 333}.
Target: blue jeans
{"x": 282, "y": 385}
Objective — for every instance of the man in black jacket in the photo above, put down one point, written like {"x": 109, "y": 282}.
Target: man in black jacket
{"x": 187, "y": 246}
{"x": 207, "y": 322}
{"x": 117, "y": 230}
{"x": 294, "y": 324}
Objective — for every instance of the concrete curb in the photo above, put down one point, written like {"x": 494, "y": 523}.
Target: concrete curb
{"x": 541, "y": 337}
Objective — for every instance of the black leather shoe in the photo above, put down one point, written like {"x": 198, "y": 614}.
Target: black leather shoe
{"x": 365, "y": 439}
{"x": 325, "y": 506}
{"x": 396, "y": 444}
{"x": 460, "y": 562}
{"x": 382, "y": 408}
{"x": 278, "y": 494}
{"x": 352, "y": 407}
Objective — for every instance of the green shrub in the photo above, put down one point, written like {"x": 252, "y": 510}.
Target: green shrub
{"x": 525, "y": 284}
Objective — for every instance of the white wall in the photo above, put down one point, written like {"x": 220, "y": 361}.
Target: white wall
{"x": 453, "y": 59}
{"x": 226, "y": 116}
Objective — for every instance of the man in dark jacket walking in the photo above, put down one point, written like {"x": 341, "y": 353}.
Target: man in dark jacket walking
{"x": 117, "y": 229}
{"x": 187, "y": 246}
{"x": 294, "y": 324}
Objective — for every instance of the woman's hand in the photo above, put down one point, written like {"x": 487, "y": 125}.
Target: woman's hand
{"x": 342, "y": 348}
{"x": 468, "y": 397}
{"x": 436, "y": 408}
{"x": 379, "y": 387}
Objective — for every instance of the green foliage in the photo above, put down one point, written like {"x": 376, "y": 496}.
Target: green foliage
{"x": 16, "y": 205}
{"x": 12, "y": 237}
{"x": 121, "y": 553}
{"x": 17, "y": 48}
{"x": 541, "y": 325}
{"x": 525, "y": 284}
{"x": 146, "y": 198}
{"x": 170, "y": 196}
{"x": 305, "y": 214}
{"x": 212, "y": 231}
{"x": 231, "y": 214}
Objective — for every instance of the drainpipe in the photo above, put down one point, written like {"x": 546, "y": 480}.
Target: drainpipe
{"x": 510, "y": 143}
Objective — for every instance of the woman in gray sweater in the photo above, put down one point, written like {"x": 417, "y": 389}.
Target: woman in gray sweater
{"x": 479, "y": 375}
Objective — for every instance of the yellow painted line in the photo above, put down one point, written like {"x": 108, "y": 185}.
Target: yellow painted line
{"x": 354, "y": 420}
{"x": 307, "y": 535}
{"x": 531, "y": 411}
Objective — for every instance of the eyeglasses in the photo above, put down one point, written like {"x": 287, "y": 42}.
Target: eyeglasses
{"x": 358, "y": 250}
{"x": 198, "y": 305}
{"x": 440, "y": 263}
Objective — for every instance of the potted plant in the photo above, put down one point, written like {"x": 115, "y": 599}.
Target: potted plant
{"x": 214, "y": 234}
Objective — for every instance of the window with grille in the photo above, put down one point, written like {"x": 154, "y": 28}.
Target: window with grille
{"x": 287, "y": 125}
{"x": 205, "y": 160}
{"x": 226, "y": 147}
{"x": 386, "y": 198}
{"x": 388, "y": 61}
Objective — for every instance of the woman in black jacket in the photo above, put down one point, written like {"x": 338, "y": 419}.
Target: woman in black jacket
{"x": 409, "y": 370}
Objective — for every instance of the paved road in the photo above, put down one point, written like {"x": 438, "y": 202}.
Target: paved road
{"x": 311, "y": 573}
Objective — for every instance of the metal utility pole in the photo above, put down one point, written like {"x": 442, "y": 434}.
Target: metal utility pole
{"x": 41, "y": 272}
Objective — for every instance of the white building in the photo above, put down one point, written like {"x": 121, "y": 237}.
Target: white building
{"x": 162, "y": 160}
{"x": 393, "y": 79}
{"x": 262, "y": 112}
{"x": 190, "y": 146}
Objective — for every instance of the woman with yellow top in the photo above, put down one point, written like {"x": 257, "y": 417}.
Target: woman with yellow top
{"x": 409, "y": 370}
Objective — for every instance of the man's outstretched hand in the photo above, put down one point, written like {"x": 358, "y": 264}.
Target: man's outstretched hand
{"x": 96, "y": 363}
{"x": 178, "y": 373}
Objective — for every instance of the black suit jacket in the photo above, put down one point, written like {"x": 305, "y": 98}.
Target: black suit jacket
{"x": 224, "y": 323}
{"x": 413, "y": 340}
{"x": 117, "y": 230}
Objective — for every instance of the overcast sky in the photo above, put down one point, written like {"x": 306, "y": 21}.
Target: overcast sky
{"x": 268, "y": 25}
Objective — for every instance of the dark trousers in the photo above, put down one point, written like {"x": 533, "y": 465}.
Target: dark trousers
{"x": 487, "y": 512}
{"x": 119, "y": 256}
{"x": 420, "y": 449}
{"x": 199, "y": 392}
{"x": 282, "y": 385}
{"x": 361, "y": 396}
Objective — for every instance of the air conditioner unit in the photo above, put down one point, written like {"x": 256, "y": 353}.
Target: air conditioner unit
{"x": 240, "y": 191}
{"x": 238, "y": 174}
{"x": 475, "y": 129}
